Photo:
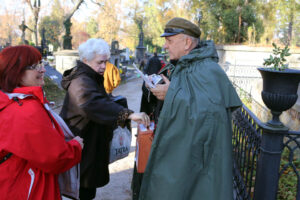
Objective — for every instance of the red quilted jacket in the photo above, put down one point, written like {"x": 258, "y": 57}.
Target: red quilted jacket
{"x": 39, "y": 151}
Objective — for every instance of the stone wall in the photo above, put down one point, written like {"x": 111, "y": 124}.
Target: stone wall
{"x": 246, "y": 55}
{"x": 241, "y": 63}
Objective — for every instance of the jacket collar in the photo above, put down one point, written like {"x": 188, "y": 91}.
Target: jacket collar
{"x": 36, "y": 91}
{"x": 80, "y": 68}
{"x": 87, "y": 69}
{"x": 21, "y": 93}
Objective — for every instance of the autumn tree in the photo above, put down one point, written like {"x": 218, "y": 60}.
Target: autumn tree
{"x": 129, "y": 34}
{"x": 9, "y": 27}
{"x": 35, "y": 7}
{"x": 267, "y": 10}
{"x": 109, "y": 19}
{"x": 52, "y": 30}
{"x": 154, "y": 25}
{"x": 92, "y": 27}
{"x": 288, "y": 21}
{"x": 79, "y": 33}
{"x": 228, "y": 20}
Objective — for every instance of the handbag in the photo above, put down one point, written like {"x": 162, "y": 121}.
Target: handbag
{"x": 120, "y": 144}
{"x": 143, "y": 146}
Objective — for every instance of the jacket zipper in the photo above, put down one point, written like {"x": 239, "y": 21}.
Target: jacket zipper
{"x": 32, "y": 175}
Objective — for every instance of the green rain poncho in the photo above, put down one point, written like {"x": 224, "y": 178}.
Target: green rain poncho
{"x": 191, "y": 156}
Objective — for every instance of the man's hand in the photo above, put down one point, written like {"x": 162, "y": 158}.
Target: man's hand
{"x": 160, "y": 90}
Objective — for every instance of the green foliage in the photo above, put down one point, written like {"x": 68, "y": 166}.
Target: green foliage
{"x": 153, "y": 26}
{"x": 92, "y": 27}
{"x": 288, "y": 25}
{"x": 57, "y": 11}
{"x": 52, "y": 91}
{"x": 277, "y": 62}
{"x": 267, "y": 11}
{"x": 228, "y": 20}
{"x": 288, "y": 181}
{"x": 52, "y": 30}
{"x": 245, "y": 97}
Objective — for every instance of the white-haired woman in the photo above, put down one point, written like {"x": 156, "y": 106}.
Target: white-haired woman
{"x": 90, "y": 113}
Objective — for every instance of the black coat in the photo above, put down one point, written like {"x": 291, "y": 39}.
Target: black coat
{"x": 149, "y": 101}
{"x": 90, "y": 113}
{"x": 153, "y": 66}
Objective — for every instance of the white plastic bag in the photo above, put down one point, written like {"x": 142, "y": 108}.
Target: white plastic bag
{"x": 120, "y": 144}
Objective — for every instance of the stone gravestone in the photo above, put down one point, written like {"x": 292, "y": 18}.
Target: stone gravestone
{"x": 140, "y": 49}
{"x": 65, "y": 59}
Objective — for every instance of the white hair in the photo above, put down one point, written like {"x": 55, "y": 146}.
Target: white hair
{"x": 92, "y": 47}
{"x": 194, "y": 40}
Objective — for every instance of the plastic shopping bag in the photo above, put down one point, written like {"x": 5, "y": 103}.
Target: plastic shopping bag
{"x": 120, "y": 144}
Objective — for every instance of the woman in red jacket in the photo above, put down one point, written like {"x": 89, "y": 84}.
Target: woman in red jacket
{"x": 33, "y": 150}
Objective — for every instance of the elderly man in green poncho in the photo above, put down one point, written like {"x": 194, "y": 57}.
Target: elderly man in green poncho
{"x": 191, "y": 155}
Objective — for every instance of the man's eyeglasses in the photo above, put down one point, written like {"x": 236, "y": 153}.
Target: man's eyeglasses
{"x": 38, "y": 67}
{"x": 174, "y": 30}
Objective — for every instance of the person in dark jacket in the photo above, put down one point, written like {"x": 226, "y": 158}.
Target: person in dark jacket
{"x": 153, "y": 66}
{"x": 148, "y": 101}
{"x": 91, "y": 114}
{"x": 151, "y": 106}
{"x": 191, "y": 154}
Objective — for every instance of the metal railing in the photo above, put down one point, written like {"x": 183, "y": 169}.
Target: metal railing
{"x": 263, "y": 158}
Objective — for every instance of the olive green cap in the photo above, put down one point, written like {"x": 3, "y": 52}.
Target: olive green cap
{"x": 179, "y": 25}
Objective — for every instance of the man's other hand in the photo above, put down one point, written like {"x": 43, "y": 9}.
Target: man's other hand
{"x": 160, "y": 90}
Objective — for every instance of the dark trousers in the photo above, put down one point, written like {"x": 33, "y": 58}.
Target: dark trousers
{"x": 87, "y": 193}
{"x": 136, "y": 183}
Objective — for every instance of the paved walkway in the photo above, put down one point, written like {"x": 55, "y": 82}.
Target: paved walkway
{"x": 121, "y": 171}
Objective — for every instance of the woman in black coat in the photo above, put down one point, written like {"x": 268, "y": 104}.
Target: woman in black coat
{"x": 91, "y": 114}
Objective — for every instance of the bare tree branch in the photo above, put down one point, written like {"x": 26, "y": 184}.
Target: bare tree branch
{"x": 68, "y": 17}
{"x": 29, "y": 3}
{"x": 97, "y": 3}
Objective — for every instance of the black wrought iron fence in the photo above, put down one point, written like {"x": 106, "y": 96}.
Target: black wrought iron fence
{"x": 266, "y": 160}
{"x": 289, "y": 178}
{"x": 246, "y": 142}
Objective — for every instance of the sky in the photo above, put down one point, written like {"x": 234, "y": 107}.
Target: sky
{"x": 14, "y": 6}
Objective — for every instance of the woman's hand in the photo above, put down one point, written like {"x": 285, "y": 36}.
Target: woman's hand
{"x": 79, "y": 140}
{"x": 140, "y": 118}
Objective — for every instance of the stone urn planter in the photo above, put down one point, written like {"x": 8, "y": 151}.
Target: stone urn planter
{"x": 279, "y": 91}
{"x": 280, "y": 84}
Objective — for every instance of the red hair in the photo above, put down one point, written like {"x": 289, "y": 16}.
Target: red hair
{"x": 13, "y": 61}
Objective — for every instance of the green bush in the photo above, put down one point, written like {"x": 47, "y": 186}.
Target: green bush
{"x": 52, "y": 91}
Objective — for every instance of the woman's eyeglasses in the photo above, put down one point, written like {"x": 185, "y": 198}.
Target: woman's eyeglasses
{"x": 38, "y": 67}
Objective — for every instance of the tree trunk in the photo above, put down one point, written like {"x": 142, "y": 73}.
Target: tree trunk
{"x": 240, "y": 24}
{"x": 35, "y": 9}
{"x": 36, "y": 31}
{"x": 290, "y": 29}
